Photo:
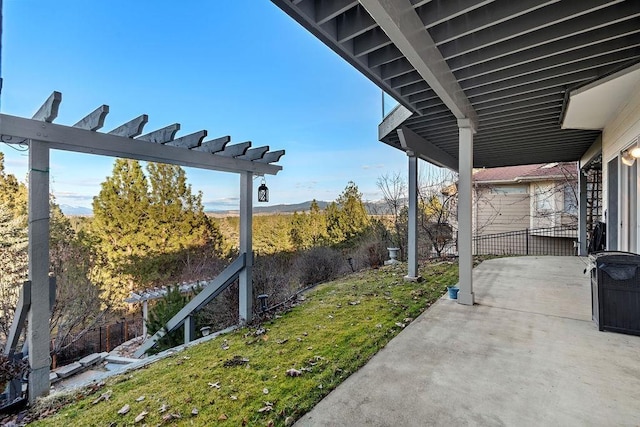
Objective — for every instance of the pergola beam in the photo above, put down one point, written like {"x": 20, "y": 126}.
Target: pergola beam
{"x": 404, "y": 27}
{"x": 83, "y": 141}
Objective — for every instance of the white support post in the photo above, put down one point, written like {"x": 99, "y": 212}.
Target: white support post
{"x": 246, "y": 219}
{"x": 38, "y": 336}
{"x": 145, "y": 318}
{"x": 465, "y": 203}
{"x": 582, "y": 213}
{"x": 412, "y": 240}
{"x": 189, "y": 329}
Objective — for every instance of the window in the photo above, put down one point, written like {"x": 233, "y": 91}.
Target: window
{"x": 570, "y": 199}
{"x": 544, "y": 198}
{"x": 509, "y": 189}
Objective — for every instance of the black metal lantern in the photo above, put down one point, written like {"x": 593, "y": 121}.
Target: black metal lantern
{"x": 263, "y": 192}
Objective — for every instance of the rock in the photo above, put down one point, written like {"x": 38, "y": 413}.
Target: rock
{"x": 91, "y": 359}
{"x": 120, "y": 360}
{"x": 68, "y": 370}
{"x": 294, "y": 372}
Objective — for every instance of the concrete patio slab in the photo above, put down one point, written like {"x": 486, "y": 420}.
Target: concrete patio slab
{"x": 526, "y": 354}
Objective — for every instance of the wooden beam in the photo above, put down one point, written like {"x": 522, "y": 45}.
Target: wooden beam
{"x": 271, "y": 157}
{"x": 84, "y": 141}
{"x": 20, "y": 316}
{"x": 94, "y": 120}
{"x": 235, "y": 150}
{"x": 212, "y": 290}
{"x": 161, "y": 136}
{"x": 214, "y": 145}
{"x": 254, "y": 153}
{"x": 412, "y": 142}
{"x": 49, "y": 110}
{"x": 403, "y": 26}
{"x": 132, "y": 128}
{"x": 188, "y": 141}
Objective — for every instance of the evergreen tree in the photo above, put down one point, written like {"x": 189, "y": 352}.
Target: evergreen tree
{"x": 167, "y": 307}
{"x": 13, "y": 263}
{"x": 147, "y": 229}
{"x": 347, "y": 217}
{"x": 13, "y": 194}
{"x": 119, "y": 230}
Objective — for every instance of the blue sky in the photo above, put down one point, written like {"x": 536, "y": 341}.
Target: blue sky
{"x": 241, "y": 68}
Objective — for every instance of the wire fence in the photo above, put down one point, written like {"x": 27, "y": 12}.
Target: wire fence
{"x": 560, "y": 241}
{"x": 104, "y": 338}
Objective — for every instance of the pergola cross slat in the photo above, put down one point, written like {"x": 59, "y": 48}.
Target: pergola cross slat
{"x": 160, "y": 146}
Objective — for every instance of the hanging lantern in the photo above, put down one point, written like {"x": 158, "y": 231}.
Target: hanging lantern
{"x": 263, "y": 192}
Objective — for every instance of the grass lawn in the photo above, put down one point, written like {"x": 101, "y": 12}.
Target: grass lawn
{"x": 241, "y": 378}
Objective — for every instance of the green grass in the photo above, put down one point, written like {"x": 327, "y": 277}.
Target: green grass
{"x": 338, "y": 327}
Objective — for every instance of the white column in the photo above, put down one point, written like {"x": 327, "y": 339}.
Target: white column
{"x": 246, "y": 219}
{"x": 38, "y": 336}
{"x": 412, "y": 240}
{"x": 582, "y": 213}
{"x": 465, "y": 204}
{"x": 145, "y": 318}
{"x": 189, "y": 329}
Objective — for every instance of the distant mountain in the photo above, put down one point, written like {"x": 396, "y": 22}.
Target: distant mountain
{"x": 374, "y": 208}
{"x": 75, "y": 210}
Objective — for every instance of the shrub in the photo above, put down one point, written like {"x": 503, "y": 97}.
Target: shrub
{"x": 319, "y": 264}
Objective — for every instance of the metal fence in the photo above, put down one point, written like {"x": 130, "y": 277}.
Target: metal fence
{"x": 104, "y": 338}
{"x": 531, "y": 241}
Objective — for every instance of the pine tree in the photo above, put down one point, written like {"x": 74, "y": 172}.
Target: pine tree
{"x": 12, "y": 192}
{"x": 146, "y": 229}
{"x": 167, "y": 307}
{"x": 119, "y": 230}
{"x": 347, "y": 217}
{"x": 13, "y": 263}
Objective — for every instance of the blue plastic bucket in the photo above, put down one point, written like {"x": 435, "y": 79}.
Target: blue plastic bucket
{"x": 453, "y": 292}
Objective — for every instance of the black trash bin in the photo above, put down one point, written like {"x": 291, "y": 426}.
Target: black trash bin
{"x": 615, "y": 291}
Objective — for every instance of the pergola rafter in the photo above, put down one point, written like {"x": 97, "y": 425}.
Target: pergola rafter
{"x": 125, "y": 141}
{"x": 156, "y": 146}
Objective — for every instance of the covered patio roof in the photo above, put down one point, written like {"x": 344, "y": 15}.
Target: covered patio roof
{"x": 505, "y": 65}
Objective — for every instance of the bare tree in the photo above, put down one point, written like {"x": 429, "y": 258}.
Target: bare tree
{"x": 394, "y": 193}
{"x": 438, "y": 197}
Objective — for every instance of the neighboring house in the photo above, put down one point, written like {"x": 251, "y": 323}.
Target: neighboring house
{"x": 528, "y": 209}
{"x": 515, "y": 198}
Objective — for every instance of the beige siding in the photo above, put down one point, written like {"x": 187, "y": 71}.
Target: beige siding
{"x": 499, "y": 213}
{"x": 618, "y": 133}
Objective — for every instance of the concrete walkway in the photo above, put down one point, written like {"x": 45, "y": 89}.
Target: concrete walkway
{"x": 527, "y": 354}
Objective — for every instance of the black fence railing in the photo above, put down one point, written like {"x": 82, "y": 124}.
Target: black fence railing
{"x": 531, "y": 241}
{"x": 104, "y": 338}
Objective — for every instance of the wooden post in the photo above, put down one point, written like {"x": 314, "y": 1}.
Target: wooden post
{"x": 246, "y": 219}
{"x": 38, "y": 335}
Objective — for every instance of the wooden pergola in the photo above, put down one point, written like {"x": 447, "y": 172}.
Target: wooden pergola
{"x": 125, "y": 141}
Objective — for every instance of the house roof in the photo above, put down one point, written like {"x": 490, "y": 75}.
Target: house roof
{"x": 527, "y": 173}
{"x": 506, "y": 65}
